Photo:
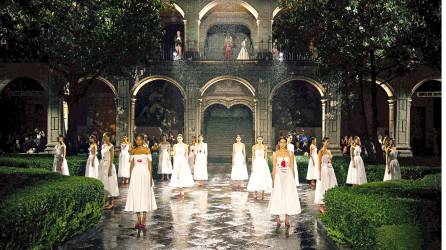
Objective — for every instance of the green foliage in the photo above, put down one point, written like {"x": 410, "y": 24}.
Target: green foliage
{"x": 49, "y": 211}
{"x": 358, "y": 216}
{"x": 398, "y": 237}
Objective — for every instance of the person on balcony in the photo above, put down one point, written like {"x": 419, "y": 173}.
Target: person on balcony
{"x": 178, "y": 46}
{"x": 243, "y": 54}
{"x": 227, "y": 49}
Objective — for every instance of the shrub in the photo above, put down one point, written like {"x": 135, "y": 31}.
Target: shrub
{"x": 49, "y": 211}
{"x": 358, "y": 215}
{"x": 398, "y": 237}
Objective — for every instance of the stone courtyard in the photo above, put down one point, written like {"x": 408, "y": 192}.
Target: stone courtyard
{"x": 217, "y": 216}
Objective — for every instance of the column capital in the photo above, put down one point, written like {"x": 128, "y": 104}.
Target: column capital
{"x": 391, "y": 101}
{"x": 133, "y": 100}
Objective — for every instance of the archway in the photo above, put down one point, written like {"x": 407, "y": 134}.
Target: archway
{"x": 91, "y": 110}
{"x": 158, "y": 106}
{"x": 352, "y": 110}
{"x": 173, "y": 21}
{"x": 23, "y": 105}
{"x": 297, "y": 107}
{"x": 425, "y": 118}
{"x": 222, "y": 124}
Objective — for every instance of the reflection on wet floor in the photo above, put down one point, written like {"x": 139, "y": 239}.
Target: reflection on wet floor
{"x": 217, "y": 216}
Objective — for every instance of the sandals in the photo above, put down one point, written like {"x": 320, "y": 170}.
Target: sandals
{"x": 278, "y": 222}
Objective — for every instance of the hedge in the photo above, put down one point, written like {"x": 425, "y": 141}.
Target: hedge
{"x": 357, "y": 216}
{"x": 398, "y": 237}
{"x": 48, "y": 211}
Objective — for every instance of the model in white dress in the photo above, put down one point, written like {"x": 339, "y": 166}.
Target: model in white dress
{"x": 284, "y": 197}
{"x": 260, "y": 179}
{"x": 327, "y": 179}
{"x": 291, "y": 148}
{"x": 201, "y": 161}
{"x": 92, "y": 167}
{"x": 191, "y": 157}
{"x": 243, "y": 54}
{"x": 107, "y": 172}
{"x": 312, "y": 172}
{"x": 140, "y": 196}
{"x": 60, "y": 164}
{"x": 393, "y": 170}
{"x": 356, "y": 171}
{"x": 124, "y": 162}
{"x": 181, "y": 175}
{"x": 239, "y": 171}
{"x": 164, "y": 161}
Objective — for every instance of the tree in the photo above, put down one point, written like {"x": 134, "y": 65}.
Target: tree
{"x": 365, "y": 40}
{"x": 79, "y": 38}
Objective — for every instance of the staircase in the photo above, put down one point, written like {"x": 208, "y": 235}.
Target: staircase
{"x": 220, "y": 133}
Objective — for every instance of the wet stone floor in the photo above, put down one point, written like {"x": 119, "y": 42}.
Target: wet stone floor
{"x": 216, "y": 216}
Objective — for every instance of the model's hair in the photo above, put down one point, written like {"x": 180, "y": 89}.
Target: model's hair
{"x": 282, "y": 138}
{"x": 194, "y": 137}
{"x": 325, "y": 139}
{"x": 313, "y": 139}
{"x": 201, "y": 135}
{"x": 356, "y": 138}
{"x": 61, "y": 136}
{"x": 94, "y": 138}
{"x": 238, "y": 136}
{"x": 259, "y": 137}
{"x": 140, "y": 136}
{"x": 108, "y": 134}
{"x": 180, "y": 135}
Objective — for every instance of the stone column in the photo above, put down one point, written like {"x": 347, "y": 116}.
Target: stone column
{"x": 402, "y": 135}
{"x": 199, "y": 117}
{"x": 122, "y": 111}
{"x": 255, "y": 116}
{"x": 185, "y": 47}
{"x": 54, "y": 116}
{"x": 132, "y": 118}
{"x": 264, "y": 34}
{"x": 332, "y": 127}
{"x": 391, "y": 117}
{"x": 191, "y": 33}
{"x": 323, "y": 104}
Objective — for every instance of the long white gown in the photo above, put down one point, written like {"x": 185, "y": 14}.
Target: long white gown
{"x": 59, "y": 160}
{"x": 395, "y": 173}
{"x": 327, "y": 181}
{"x": 124, "y": 161}
{"x": 140, "y": 196}
{"x": 290, "y": 148}
{"x": 312, "y": 172}
{"x": 356, "y": 175}
{"x": 164, "y": 163}
{"x": 92, "y": 167}
{"x": 201, "y": 162}
{"x": 110, "y": 182}
{"x": 191, "y": 157}
{"x": 181, "y": 176}
{"x": 260, "y": 179}
{"x": 243, "y": 54}
{"x": 284, "y": 196}
{"x": 239, "y": 171}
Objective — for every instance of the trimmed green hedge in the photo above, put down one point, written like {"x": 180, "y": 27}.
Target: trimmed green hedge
{"x": 48, "y": 209}
{"x": 357, "y": 216}
{"x": 398, "y": 237}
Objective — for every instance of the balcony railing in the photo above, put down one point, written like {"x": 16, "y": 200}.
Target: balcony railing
{"x": 262, "y": 51}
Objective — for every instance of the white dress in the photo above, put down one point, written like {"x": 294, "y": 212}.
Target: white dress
{"x": 260, "y": 179}
{"x": 284, "y": 196}
{"x": 164, "y": 163}
{"x": 395, "y": 173}
{"x": 201, "y": 162}
{"x": 356, "y": 175}
{"x": 59, "y": 160}
{"x": 243, "y": 54}
{"x": 327, "y": 181}
{"x": 92, "y": 167}
{"x": 181, "y": 176}
{"x": 124, "y": 161}
{"x": 110, "y": 182}
{"x": 239, "y": 170}
{"x": 312, "y": 172}
{"x": 290, "y": 148}
{"x": 191, "y": 158}
{"x": 140, "y": 196}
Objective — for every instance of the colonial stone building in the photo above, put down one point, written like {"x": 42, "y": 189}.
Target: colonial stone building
{"x": 206, "y": 79}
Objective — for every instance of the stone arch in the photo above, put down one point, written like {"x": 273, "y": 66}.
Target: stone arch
{"x": 212, "y": 4}
{"x": 311, "y": 81}
{"x": 276, "y": 11}
{"x": 149, "y": 79}
{"x": 242, "y": 81}
{"x": 387, "y": 88}
{"x": 179, "y": 9}
{"x": 416, "y": 86}
{"x": 44, "y": 86}
{"x": 104, "y": 80}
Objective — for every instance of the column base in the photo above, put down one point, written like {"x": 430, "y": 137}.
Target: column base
{"x": 404, "y": 152}
{"x": 49, "y": 148}
{"x": 336, "y": 151}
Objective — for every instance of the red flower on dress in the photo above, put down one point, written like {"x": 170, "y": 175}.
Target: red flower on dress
{"x": 139, "y": 160}
{"x": 283, "y": 164}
